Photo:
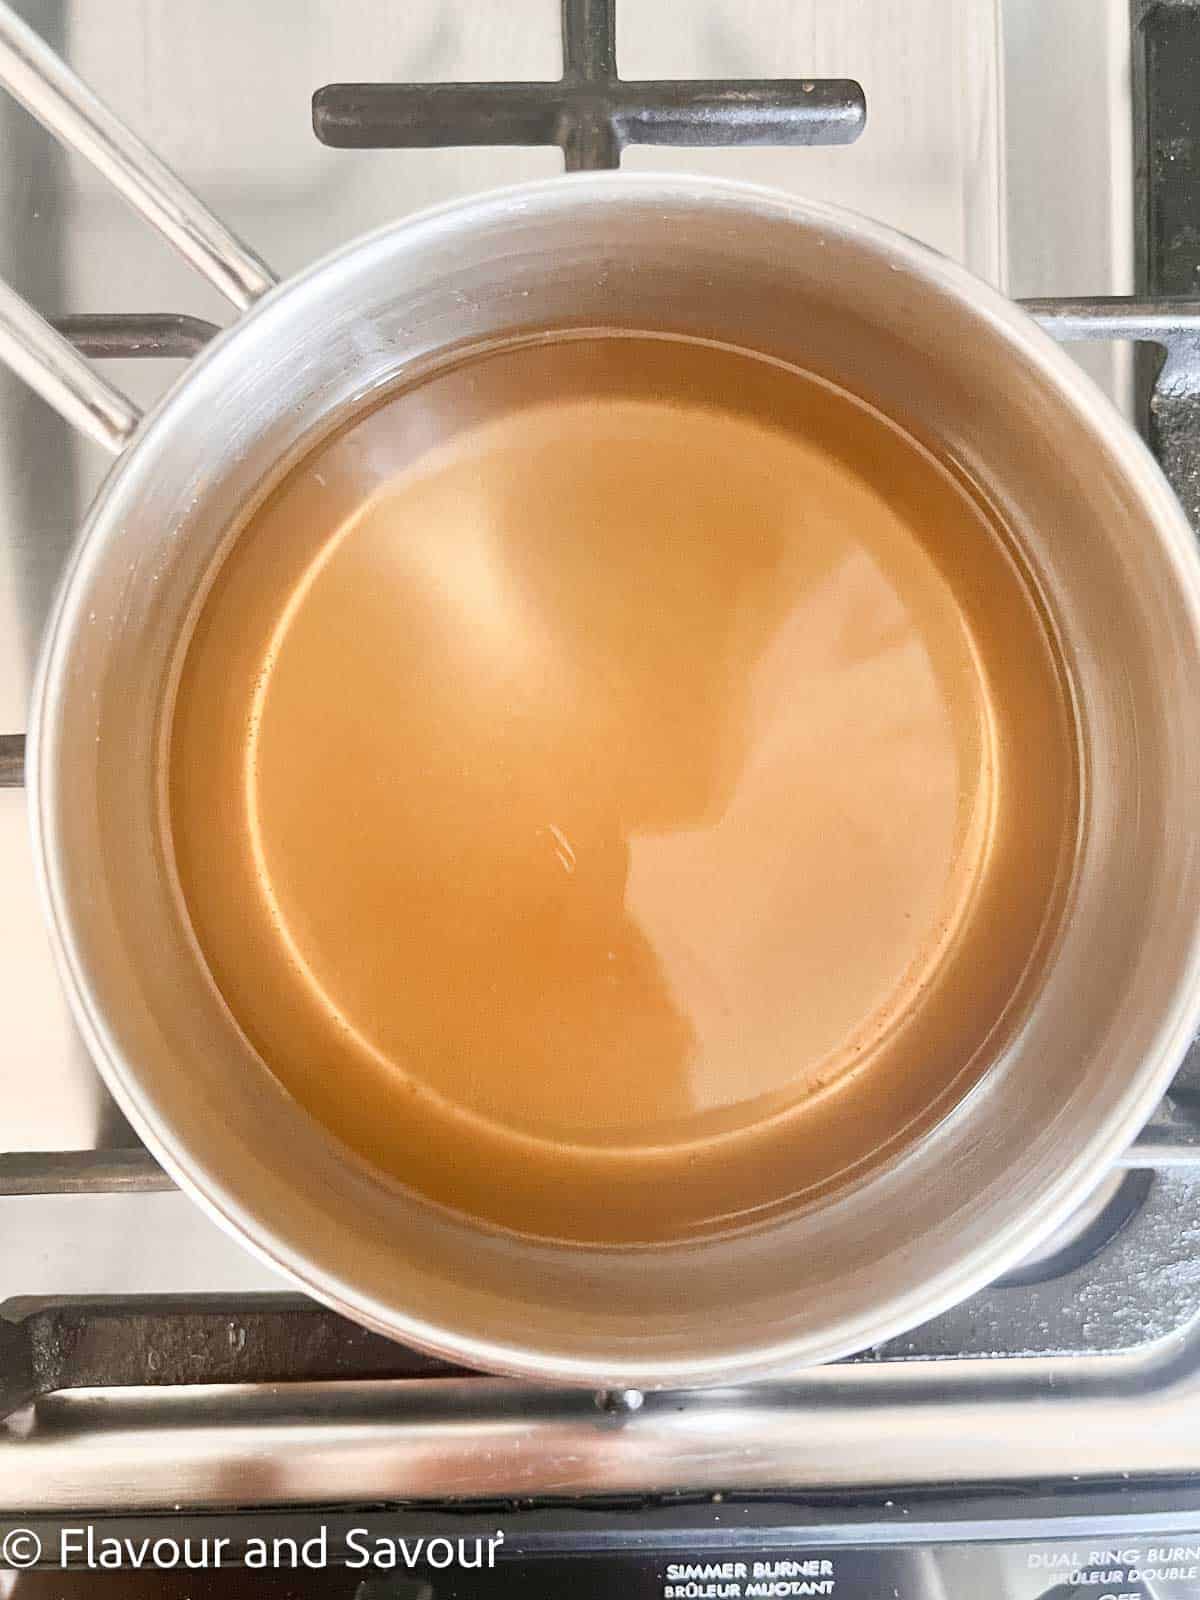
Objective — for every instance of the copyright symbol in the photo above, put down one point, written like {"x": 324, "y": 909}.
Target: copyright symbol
{"x": 20, "y": 1548}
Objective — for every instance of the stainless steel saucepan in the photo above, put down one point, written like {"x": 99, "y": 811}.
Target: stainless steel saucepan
{"x": 914, "y": 334}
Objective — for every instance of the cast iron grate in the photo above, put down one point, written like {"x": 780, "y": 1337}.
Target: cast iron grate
{"x": 591, "y": 113}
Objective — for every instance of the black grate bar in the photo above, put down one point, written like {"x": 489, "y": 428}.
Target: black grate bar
{"x": 590, "y": 113}
{"x": 589, "y": 40}
{"x": 172, "y": 1339}
{"x": 697, "y": 113}
{"x": 128, "y": 1171}
{"x": 1166, "y": 58}
{"x": 374, "y": 116}
{"x": 12, "y": 760}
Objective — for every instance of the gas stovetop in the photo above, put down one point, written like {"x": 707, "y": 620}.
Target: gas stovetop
{"x": 146, "y": 1361}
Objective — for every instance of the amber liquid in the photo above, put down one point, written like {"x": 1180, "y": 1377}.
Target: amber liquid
{"x": 620, "y": 786}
